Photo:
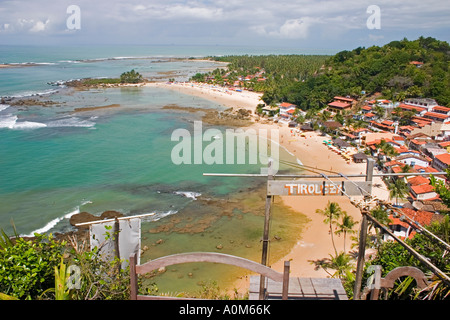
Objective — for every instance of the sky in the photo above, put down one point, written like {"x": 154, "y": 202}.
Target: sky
{"x": 310, "y": 24}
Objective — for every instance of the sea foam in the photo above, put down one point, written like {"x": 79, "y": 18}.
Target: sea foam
{"x": 10, "y": 122}
{"x": 71, "y": 122}
{"x": 55, "y": 221}
{"x": 188, "y": 194}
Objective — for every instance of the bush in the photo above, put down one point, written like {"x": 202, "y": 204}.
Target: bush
{"x": 100, "y": 280}
{"x": 27, "y": 266}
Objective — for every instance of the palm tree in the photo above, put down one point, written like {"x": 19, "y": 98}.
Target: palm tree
{"x": 346, "y": 226}
{"x": 398, "y": 189}
{"x": 342, "y": 264}
{"x": 332, "y": 212}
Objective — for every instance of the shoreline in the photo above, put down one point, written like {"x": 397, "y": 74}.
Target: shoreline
{"x": 314, "y": 242}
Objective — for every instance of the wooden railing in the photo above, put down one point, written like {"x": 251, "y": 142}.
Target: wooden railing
{"x": 203, "y": 257}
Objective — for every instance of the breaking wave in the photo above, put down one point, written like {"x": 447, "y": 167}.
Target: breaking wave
{"x": 188, "y": 194}
{"x": 55, "y": 221}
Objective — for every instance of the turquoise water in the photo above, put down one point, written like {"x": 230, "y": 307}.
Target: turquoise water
{"x": 55, "y": 162}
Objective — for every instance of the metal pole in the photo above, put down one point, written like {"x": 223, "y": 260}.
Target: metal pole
{"x": 320, "y": 176}
{"x": 265, "y": 240}
{"x": 360, "y": 261}
{"x": 116, "y": 242}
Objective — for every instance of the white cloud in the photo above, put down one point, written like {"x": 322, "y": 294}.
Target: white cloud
{"x": 202, "y": 21}
{"x": 39, "y": 26}
{"x": 290, "y": 29}
{"x": 294, "y": 29}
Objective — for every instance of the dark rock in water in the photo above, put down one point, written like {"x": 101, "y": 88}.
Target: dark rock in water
{"x": 82, "y": 217}
{"x": 88, "y": 217}
{"x": 111, "y": 215}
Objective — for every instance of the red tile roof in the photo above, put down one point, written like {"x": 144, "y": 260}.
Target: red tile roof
{"x": 423, "y": 217}
{"x": 287, "y": 104}
{"x": 410, "y": 108}
{"x": 424, "y": 188}
{"x": 344, "y": 99}
{"x": 441, "y": 108}
{"x": 435, "y": 115}
{"x": 417, "y": 181}
{"x": 444, "y": 157}
{"x": 340, "y": 105}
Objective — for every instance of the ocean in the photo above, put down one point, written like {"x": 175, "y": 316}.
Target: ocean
{"x": 56, "y": 162}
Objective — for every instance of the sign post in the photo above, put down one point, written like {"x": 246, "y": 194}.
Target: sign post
{"x": 265, "y": 240}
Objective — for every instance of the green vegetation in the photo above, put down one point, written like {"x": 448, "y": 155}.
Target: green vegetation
{"x": 95, "y": 82}
{"x": 442, "y": 188}
{"x": 386, "y": 69}
{"x": 27, "y": 266}
{"x": 39, "y": 269}
{"x": 131, "y": 77}
{"x": 312, "y": 81}
{"x": 392, "y": 255}
{"x": 269, "y": 73}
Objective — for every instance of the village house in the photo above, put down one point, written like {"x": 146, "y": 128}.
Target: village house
{"x": 431, "y": 130}
{"x": 414, "y": 159}
{"x": 418, "y": 181}
{"x": 441, "y": 162}
{"x": 287, "y": 111}
{"x": 340, "y": 104}
{"x": 445, "y": 145}
{"x": 417, "y": 64}
{"x": 386, "y": 125}
{"x": 412, "y": 108}
{"x": 366, "y": 109}
{"x": 421, "y": 102}
{"x": 403, "y": 229}
{"x": 369, "y": 116}
{"x": 445, "y": 132}
{"x": 331, "y": 126}
{"x": 423, "y": 192}
{"x": 437, "y": 117}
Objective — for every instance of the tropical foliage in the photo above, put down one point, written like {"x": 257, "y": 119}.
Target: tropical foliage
{"x": 278, "y": 71}
{"x": 442, "y": 188}
{"x": 392, "y": 255}
{"x": 387, "y": 69}
{"x": 27, "y": 266}
{"x": 131, "y": 77}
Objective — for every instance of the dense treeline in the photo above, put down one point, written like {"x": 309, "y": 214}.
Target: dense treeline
{"x": 279, "y": 71}
{"x": 388, "y": 70}
{"x": 312, "y": 81}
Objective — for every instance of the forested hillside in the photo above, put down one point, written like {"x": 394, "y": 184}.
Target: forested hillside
{"x": 395, "y": 70}
{"x": 398, "y": 70}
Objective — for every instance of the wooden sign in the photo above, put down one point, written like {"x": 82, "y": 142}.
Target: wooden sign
{"x": 318, "y": 188}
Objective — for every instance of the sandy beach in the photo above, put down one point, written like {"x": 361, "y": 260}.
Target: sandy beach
{"x": 232, "y": 99}
{"x": 314, "y": 242}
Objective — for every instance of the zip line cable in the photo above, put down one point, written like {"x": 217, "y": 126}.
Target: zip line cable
{"x": 417, "y": 226}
